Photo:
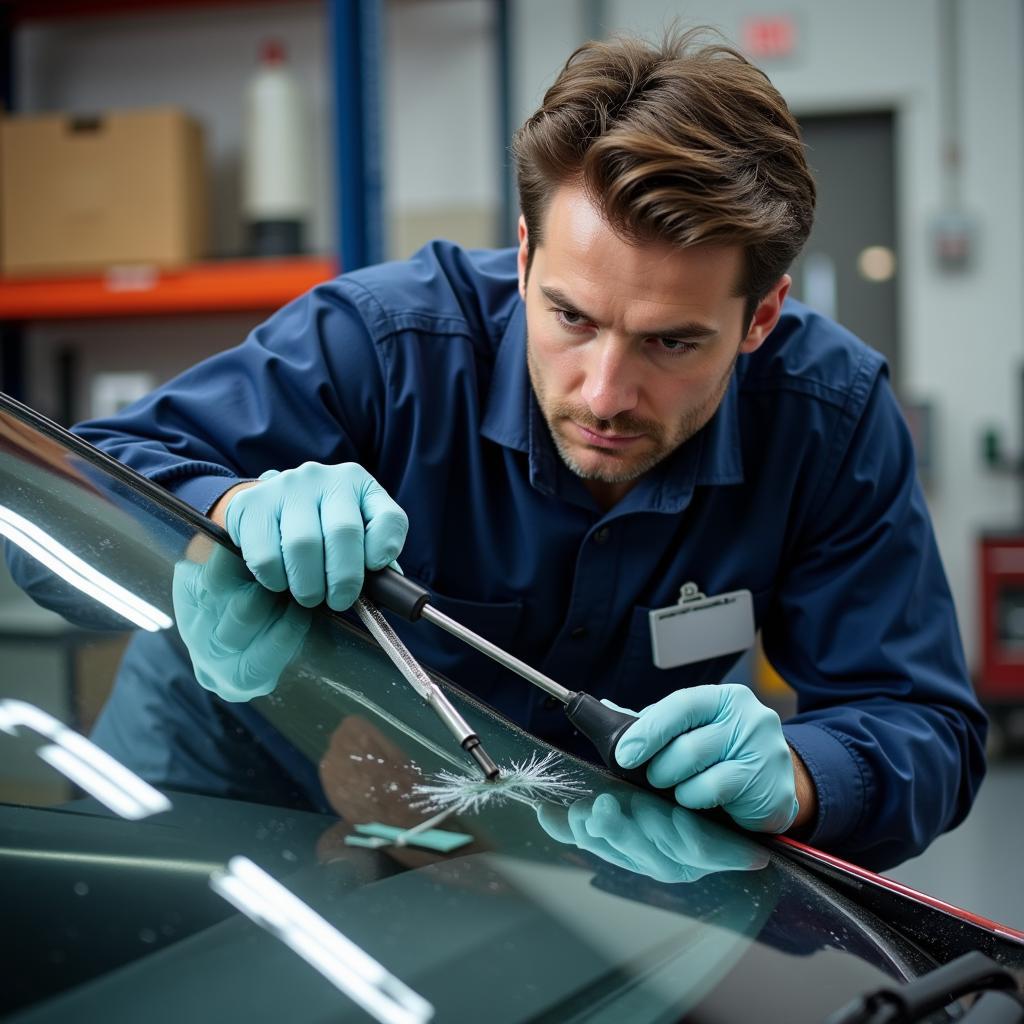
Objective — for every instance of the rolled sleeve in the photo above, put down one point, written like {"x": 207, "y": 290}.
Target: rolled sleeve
{"x": 839, "y": 779}
{"x": 202, "y": 492}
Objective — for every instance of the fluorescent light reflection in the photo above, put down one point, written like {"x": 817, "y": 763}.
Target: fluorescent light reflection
{"x": 83, "y": 763}
{"x": 350, "y": 969}
{"x": 68, "y": 566}
{"x": 109, "y": 860}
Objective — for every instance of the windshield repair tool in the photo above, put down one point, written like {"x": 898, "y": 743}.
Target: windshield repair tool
{"x": 598, "y": 722}
{"x": 413, "y": 672}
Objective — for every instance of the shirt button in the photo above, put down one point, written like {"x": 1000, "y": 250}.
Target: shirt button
{"x": 550, "y": 703}
{"x": 578, "y": 633}
{"x": 601, "y": 536}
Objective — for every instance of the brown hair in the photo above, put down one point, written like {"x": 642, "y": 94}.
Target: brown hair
{"x": 677, "y": 143}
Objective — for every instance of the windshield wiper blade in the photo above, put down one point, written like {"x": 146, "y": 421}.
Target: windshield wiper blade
{"x": 967, "y": 975}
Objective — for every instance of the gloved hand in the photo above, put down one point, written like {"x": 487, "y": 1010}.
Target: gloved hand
{"x": 311, "y": 530}
{"x": 239, "y": 635}
{"x": 719, "y": 746}
{"x": 643, "y": 834}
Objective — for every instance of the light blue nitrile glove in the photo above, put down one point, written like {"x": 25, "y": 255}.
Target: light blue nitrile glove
{"x": 642, "y": 833}
{"x": 313, "y": 529}
{"x": 239, "y": 635}
{"x": 719, "y": 746}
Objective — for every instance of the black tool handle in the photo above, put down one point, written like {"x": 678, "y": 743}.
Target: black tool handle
{"x": 604, "y": 727}
{"x": 389, "y": 589}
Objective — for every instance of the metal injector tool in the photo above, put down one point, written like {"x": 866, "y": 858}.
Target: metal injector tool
{"x": 411, "y": 670}
{"x": 418, "y": 679}
{"x": 599, "y": 723}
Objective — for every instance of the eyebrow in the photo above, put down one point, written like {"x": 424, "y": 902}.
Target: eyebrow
{"x": 689, "y": 330}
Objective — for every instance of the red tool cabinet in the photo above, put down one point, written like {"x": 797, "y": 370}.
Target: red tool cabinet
{"x": 1001, "y": 599}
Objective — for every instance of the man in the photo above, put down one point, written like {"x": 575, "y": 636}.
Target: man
{"x": 556, "y": 439}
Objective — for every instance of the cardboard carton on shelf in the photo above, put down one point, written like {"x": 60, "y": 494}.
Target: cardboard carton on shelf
{"x": 80, "y": 194}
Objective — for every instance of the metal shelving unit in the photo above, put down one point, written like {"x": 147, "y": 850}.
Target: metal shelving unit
{"x": 354, "y": 32}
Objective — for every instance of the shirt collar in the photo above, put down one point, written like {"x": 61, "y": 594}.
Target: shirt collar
{"x": 513, "y": 419}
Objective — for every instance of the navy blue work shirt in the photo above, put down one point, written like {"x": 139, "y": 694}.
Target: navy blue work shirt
{"x": 801, "y": 488}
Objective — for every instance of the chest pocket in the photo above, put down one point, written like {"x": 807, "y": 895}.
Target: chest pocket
{"x": 639, "y": 683}
{"x": 498, "y": 622}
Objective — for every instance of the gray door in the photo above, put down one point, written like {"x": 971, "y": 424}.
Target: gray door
{"x": 850, "y": 267}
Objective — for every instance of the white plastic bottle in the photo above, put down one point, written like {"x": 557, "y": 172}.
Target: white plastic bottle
{"x": 276, "y": 171}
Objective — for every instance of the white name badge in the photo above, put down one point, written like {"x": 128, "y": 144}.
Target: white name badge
{"x": 699, "y": 627}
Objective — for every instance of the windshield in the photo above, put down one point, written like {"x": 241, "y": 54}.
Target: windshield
{"x": 559, "y": 893}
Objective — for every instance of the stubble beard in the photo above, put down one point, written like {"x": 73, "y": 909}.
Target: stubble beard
{"x": 620, "y": 467}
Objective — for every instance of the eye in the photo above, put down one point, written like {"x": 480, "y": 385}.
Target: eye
{"x": 676, "y": 345}
{"x": 569, "y": 318}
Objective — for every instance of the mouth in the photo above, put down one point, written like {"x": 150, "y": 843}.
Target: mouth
{"x": 610, "y": 442}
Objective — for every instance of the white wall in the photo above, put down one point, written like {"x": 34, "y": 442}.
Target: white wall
{"x": 543, "y": 36}
{"x": 440, "y": 75}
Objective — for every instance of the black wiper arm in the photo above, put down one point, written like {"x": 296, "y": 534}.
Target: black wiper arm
{"x": 967, "y": 975}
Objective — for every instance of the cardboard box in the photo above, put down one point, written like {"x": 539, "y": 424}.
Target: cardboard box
{"x": 85, "y": 193}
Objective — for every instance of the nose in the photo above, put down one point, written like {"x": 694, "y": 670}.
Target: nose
{"x": 609, "y": 388}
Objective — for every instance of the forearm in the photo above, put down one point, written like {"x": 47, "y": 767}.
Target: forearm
{"x": 219, "y": 509}
{"x": 806, "y": 794}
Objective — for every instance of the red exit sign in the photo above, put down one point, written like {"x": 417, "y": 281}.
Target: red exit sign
{"x": 770, "y": 38}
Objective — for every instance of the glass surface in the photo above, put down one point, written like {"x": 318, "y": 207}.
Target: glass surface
{"x": 594, "y": 902}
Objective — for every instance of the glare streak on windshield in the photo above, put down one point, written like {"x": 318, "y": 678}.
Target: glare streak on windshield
{"x": 69, "y": 567}
{"x": 81, "y": 761}
{"x": 159, "y": 866}
{"x": 352, "y": 970}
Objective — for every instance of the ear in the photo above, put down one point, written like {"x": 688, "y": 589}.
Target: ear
{"x": 766, "y": 316}
{"x": 521, "y": 259}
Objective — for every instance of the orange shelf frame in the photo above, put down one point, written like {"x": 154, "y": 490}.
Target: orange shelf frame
{"x": 235, "y": 286}
{"x": 48, "y": 10}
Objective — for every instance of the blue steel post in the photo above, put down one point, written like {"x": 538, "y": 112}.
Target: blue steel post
{"x": 7, "y": 98}
{"x": 509, "y": 206}
{"x": 356, "y": 31}
{"x": 12, "y": 334}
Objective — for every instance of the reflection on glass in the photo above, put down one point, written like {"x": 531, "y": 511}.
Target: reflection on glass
{"x": 240, "y": 636}
{"x": 533, "y": 782}
{"x": 648, "y": 836}
{"x": 69, "y": 567}
{"x": 353, "y": 971}
{"x": 81, "y": 761}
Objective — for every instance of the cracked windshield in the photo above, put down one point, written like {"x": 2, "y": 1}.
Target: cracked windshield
{"x": 216, "y": 799}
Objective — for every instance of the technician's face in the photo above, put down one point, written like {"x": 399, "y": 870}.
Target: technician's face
{"x": 630, "y": 347}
